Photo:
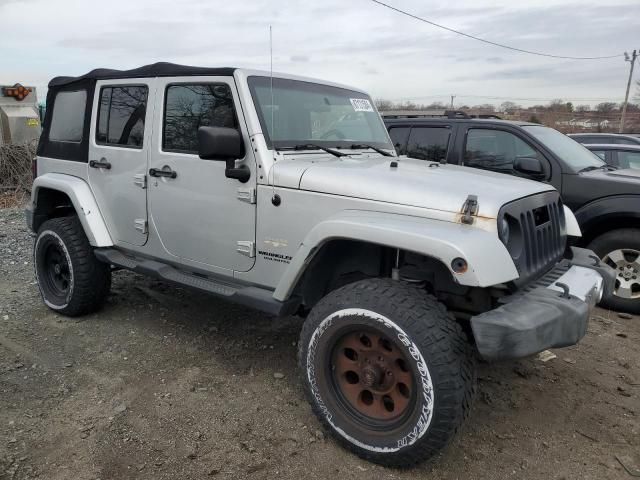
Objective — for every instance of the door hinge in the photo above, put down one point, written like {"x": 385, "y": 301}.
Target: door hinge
{"x": 469, "y": 209}
{"x": 140, "y": 180}
{"x": 246, "y": 248}
{"x": 141, "y": 225}
{"x": 247, "y": 195}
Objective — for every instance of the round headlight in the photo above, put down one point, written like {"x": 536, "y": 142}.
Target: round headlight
{"x": 503, "y": 230}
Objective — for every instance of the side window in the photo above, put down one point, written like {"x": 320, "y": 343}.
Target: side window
{"x": 601, "y": 153}
{"x": 622, "y": 141}
{"x": 189, "y": 107}
{"x": 121, "y": 116}
{"x": 494, "y": 150}
{"x": 428, "y": 143}
{"x": 67, "y": 121}
{"x": 629, "y": 159}
{"x": 399, "y": 136}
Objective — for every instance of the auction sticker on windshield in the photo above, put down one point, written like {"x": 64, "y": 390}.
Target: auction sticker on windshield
{"x": 361, "y": 105}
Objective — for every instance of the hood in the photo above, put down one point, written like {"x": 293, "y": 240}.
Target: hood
{"x": 604, "y": 183}
{"x": 415, "y": 183}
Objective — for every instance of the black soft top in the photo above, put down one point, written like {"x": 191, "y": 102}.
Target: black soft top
{"x": 160, "y": 69}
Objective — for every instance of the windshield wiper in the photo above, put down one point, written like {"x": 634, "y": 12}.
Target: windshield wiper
{"x": 593, "y": 167}
{"x": 313, "y": 146}
{"x": 376, "y": 149}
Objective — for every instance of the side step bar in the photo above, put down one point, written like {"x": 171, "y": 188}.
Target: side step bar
{"x": 253, "y": 297}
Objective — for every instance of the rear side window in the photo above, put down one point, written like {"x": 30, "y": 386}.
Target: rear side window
{"x": 399, "y": 137}
{"x": 189, "y": 107}
{"x": 623, "y": 141}
{"x": 428, "y": 143}
{"x": 67, "y": 121}
{"x": 495, "y": 150}
{"x": 587, "y": 140}
{"x": 121, "y": 116}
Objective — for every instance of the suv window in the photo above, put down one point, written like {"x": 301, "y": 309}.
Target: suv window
{"x": 629, "y": 159}
{"x": 494, "y": 150}
{"x": 622, "y": 141}
{"x": 67, "y": 122}
{"x": 428, "y": 143}
{"x": 121, "y": 116}
{"x": 191, "y": 106}
{"x": 584, "y": 139}
{"x": 399, "y": 137}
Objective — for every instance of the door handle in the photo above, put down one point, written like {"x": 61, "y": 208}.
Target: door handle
{"x": 101, "y": 164}
{"x": 154, "y": 172}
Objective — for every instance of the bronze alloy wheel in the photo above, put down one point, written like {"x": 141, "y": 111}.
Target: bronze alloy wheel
{"x": 372, "y": 376}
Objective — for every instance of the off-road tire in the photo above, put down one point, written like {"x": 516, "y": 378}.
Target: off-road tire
{"x": 441, "y": 359}
{"x": 61, "y": 246}
{"x": 603, "y": 245}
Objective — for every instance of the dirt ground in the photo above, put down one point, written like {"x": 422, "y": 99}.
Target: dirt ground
{"x": 165, "y": 383}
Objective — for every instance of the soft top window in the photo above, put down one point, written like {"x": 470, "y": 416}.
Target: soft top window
{"x": 67, "y": 122}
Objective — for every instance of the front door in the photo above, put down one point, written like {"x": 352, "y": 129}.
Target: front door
{"x": 118, "y": 149}
{"x": 198, "y": 213}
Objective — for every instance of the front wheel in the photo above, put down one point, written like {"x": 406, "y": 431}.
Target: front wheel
{"x": 620, "y": 249}
{"x": 387, "y": 371}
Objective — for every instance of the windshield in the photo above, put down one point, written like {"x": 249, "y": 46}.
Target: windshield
{"x": 569, "y": 151}
{"x": 312, "y": 113}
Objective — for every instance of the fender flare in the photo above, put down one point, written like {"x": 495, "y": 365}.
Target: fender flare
{"x": 573, "y": 227}
{"x": 619, "y": 206}
{"x": 488, "y": 259}
{"x": 83, "y": 202}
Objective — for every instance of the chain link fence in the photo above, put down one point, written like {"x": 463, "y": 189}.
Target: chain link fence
{"x": 15, "y": 173}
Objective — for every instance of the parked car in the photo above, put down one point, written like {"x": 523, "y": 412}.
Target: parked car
{"x": 610, "y": 138}
{"x": 606, "y": 201}
{"x": 619, "y": 156}
{"x": 195, "y": 176}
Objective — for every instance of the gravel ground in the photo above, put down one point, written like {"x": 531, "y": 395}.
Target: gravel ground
{"x": 165, "y": 383}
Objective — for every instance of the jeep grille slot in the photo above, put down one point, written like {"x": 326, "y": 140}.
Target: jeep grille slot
{"x": 542, "y": 230}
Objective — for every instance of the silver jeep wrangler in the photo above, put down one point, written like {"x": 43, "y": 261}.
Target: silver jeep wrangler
{"x": 285, "y": 194}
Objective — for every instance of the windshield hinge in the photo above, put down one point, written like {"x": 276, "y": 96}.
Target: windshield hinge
{"x": 469, "y": 209}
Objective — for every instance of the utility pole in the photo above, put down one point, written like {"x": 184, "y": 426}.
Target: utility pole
{"x": 634, "y": 55}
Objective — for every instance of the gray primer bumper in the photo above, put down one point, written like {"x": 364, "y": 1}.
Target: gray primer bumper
{"x": 538, "y": 318}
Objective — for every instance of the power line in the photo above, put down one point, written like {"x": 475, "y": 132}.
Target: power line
{"x": 495, "y": 44}
{"x": 493, "y": 97}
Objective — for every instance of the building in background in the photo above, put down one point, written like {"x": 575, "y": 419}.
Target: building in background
{"x": 19, "y": 115}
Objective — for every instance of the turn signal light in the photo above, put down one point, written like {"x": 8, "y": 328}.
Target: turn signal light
{"x": 18, "y": 92}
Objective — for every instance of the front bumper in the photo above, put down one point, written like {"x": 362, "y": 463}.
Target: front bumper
{"x": 549, "y": 313}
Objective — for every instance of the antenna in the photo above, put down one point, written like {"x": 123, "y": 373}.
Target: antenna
{"x": 275, "y": 199}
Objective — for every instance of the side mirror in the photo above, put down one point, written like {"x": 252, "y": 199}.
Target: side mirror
{"x": 221, "y": 143}
{"x": 529, "y": 166}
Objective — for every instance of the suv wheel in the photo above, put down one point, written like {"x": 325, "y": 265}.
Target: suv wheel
{"x": 387, "y": 371}
{"x": 71, "y": 279}
{"x": 620, "y": 249}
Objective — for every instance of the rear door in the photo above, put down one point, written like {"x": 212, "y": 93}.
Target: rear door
{"x": 118, "y": 154}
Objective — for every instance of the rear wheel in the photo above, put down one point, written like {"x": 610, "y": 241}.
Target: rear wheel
{"x": 620, "y": 249}
{"x": 387, "y": 370}
{"x": 71, "y": 279}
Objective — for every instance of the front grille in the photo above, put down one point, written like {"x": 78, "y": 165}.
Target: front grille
{"x": 537, "y": 233}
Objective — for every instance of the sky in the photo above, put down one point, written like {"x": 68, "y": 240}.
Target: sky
{"x": 355, "y": 42}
